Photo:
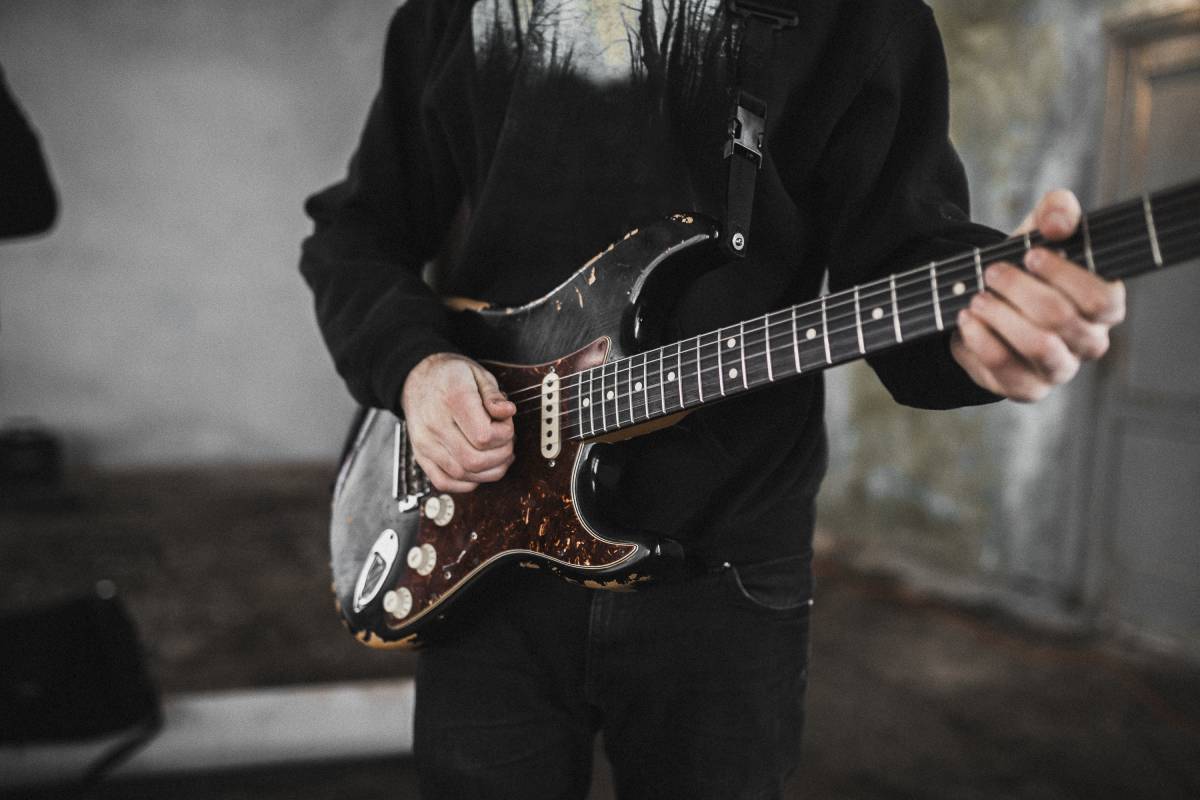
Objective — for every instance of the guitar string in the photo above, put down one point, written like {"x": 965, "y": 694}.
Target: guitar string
{"x": 622, "y": 368}
{"x": 1136, "y": 260}
{"x": 919, "y": 277}
{"x": 755, "y": 372}
{"x": 706, "y": 362}
{"x": 639, "y": 411}
{"x": 1016, "y": 245}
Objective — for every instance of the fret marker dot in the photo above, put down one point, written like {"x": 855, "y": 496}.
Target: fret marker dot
{"x": 586, "y": 402}
{"x": 731, "y": 343}
{"x": 733, "y": 373}
{"x": 877, "y": 314}
{"x": 637, "y": 387}
{"x": 671, "y": 376}
{"x": 959, "y": 288}
{"x": 812, "y": 333}
{"x": 610, "y": 394}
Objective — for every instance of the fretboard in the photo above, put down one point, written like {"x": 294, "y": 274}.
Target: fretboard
{"x": 1127, "y": 239}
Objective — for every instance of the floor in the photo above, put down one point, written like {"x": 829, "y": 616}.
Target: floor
{"x": 224, "y": 571}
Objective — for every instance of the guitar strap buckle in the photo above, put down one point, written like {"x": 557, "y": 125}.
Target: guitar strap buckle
{"x": 761, "y": 21}
{"x": 746, "y": 128}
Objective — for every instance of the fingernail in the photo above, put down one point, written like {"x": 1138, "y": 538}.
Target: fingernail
{"x": 1058, "y": 219}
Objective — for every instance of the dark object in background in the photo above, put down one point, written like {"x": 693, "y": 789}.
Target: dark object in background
{"x": 30, "y": 457}
{"x": 75, "y": 672}
{"x": 31, "y": 468}
{"x": 27, "y": 201}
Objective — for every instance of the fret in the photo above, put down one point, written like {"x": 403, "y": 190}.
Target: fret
{"x": 629, "y": 386}
{"x": 937, "y": 306}
{"x": 896, "y": 309}
{"x": 662, "y": 382}
{"x": 813, "y": 354}
{"x": 645, "y": 388}
{"x": 795, "y": 342}
{"x": 877, "y": 305}
{"x": 742, "y": 336}
{"x": 1028, "y": 243}
{"x": 953, "y": 295}
{"x": 1089, "y": 257}
{"x": 978, "y": 269}
{"x": 679, "y": 372}
{"x": 1154, "y": 248}
{"x": 579, "y": 404}
{"x": 710, "y": 360}
{"x": 767, "y": 348}
{"x": 720, "y": 365}
{"x": 699, "y": 372}
{"x": 841, "y": 326}
{"x": 862, "y": 348}
{"x": 825, "y": 327}
{"x": 585, "y": 401}
{"x": 603, "y": 398}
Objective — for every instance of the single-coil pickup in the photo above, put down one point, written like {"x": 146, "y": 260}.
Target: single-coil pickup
{"x": 551, "y": 443}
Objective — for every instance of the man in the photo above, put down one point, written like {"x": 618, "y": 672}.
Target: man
{"x": 549, "y": 129}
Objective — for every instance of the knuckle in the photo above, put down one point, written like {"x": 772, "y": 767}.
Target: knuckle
{"x": 476, "y": 462}
{"x": 455, "y": 470}
{"x": 1057, "y": 312}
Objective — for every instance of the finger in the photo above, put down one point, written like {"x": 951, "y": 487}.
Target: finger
{"x": 1098, "y": 300}
{"x": 440, "y": 480}
{"x": 992, "y": 363}
{"x": 1048, "y": 308}
{"x": 1040, "y": 349}
{"x": 475, "y": 424}
{"x": 1056, "y": 215}
{"x": 495, "y": 402}
{"x": 474, "y": 463}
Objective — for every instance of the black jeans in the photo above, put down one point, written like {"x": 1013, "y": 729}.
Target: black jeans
{"x": 698, "y": 686}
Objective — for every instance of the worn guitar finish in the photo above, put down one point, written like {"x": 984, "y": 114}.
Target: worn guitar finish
{"x": 544, "y": 512}
{"x": 586, "y": 365}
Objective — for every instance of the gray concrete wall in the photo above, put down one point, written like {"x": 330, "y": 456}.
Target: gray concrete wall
{"x": 164, "y": 320}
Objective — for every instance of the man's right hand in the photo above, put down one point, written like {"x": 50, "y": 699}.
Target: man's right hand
{"x": 459, "y": 422}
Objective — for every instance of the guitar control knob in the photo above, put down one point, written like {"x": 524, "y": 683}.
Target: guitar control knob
{"x": 440, "y": 509}
{"x": 423, "y": 559}
{"x": 398, "y": 603}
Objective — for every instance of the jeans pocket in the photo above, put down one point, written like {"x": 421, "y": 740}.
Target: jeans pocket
{"x": 781, "y": 585}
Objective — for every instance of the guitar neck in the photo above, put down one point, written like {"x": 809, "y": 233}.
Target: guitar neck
{"x": 1137, "y": 236}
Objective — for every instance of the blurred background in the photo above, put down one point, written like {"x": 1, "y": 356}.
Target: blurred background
{"x": 1010, "y": 598}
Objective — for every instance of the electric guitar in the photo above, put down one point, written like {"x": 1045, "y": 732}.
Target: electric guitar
{"x": 577, "y": 364}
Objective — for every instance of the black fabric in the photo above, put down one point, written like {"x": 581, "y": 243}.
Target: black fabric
{"x": 556, "y": 147}
{"x": 697, "y": 686}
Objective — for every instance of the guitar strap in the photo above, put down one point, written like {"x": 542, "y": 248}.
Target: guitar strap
{"x": 761, "y": 21}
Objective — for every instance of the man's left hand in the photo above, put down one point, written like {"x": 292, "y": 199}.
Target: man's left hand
{"x": 1031, "y": 330}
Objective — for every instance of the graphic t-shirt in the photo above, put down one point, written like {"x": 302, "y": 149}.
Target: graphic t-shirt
{"x": 514, "y": 140}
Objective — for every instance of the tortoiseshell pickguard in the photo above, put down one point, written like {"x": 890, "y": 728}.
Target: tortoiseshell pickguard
{"x": 531, "y": 512}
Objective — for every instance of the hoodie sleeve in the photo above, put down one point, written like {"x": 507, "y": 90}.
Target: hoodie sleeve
{"x": 897, "y": 197}
{"x": 375, "y": 230}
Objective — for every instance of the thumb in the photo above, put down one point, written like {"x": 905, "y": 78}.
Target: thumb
{"x": 497, "y": 405}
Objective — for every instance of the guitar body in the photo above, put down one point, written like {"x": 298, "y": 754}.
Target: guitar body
{"x": 402, "y": 552}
